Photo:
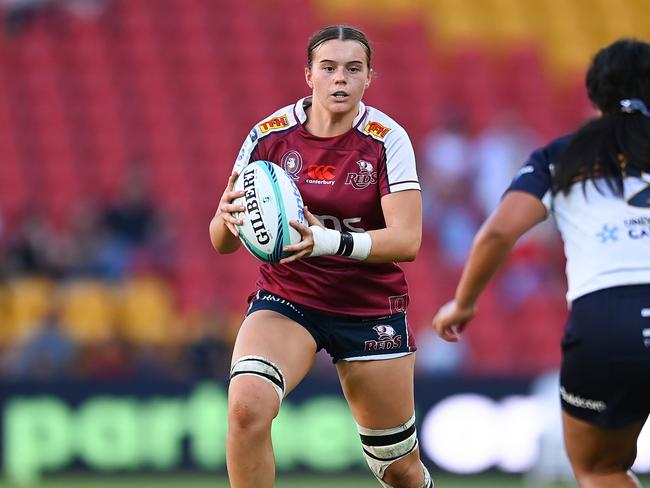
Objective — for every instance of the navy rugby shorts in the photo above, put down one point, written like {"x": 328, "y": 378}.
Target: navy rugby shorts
{"x": 349, "y": 338}
{"x": 606, "y": 357}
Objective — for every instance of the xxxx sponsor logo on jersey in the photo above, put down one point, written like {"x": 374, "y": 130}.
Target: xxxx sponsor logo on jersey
{"x": 387, "y": 339}
{"x": 291, "y": 162}
{"x": 321, "y": 174}
{"x": 376, "y": 129}
{"x": 364, "y": 177}
{"x": 275, "y": 123}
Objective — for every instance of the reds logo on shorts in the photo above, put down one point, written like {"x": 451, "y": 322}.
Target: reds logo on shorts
{"x": 385, "y": 332}
{"x": 387, "y": 339}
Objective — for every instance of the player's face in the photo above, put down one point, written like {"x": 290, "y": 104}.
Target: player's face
{"x": 338, "y": 75}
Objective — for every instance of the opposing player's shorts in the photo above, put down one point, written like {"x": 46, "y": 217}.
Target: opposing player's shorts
{"x": 605, "y": 376}
{"x": 348, "y": 338}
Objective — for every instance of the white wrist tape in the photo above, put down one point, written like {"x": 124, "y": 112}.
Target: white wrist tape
{"x": 362, "y": 245}
{"x": 329, "y": 242}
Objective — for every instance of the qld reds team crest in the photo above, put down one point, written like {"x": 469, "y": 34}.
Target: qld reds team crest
{"x": 292, "y": 164}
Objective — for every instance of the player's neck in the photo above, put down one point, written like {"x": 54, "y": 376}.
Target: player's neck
{"x": 323, "y": 123}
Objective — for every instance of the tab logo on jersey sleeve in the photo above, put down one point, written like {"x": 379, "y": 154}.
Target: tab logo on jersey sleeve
{"x": 274, "y": 124}
{"x": 376, "y": 129}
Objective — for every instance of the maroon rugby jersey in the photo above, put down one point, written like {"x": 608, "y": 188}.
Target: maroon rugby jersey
{"x": 342, "y": 180}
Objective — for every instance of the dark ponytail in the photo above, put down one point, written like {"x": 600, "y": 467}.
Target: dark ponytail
{"x": 618, "y": 84}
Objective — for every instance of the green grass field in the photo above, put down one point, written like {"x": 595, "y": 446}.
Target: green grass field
{"x": 175, "y": 481}
{"x": 179, "y": 481}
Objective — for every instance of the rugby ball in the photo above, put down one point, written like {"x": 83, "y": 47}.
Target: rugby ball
{"x": 271, "y": 199}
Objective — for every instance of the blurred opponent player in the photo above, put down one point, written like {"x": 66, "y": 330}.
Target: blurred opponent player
{"x": 596, "y": 183}
{"x": 341, "y": 290}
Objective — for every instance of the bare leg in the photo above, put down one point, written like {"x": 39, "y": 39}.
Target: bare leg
{"x": 380, "y": 395}
{"x": 601, "y": 458}
{"x": 253, "y": 403}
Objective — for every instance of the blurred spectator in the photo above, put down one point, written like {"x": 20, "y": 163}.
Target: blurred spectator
{"x": 110, "y": 360}
{"x": 132, "y": 218}
{"x": 139, "y": 237}
{"x": 447, "y": 179}
{"x": 447, "y": 155}
{"x": 160, "y": 362}
{"x": 84, "y": 8}
{"x": 497, "y": 154}
{"x": 87, "y": 250}
{"x": 35, "y": 249}
{"x": 18, "y": 14}
{"x": 210, "y": 347}
{"x": 438, "y": 357}
{"x": 4, "y": 266}
{"x": 48, "y": 354}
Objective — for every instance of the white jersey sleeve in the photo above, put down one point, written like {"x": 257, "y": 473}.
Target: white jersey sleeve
{"x": 400, "y": 162}
{"x": 606, "y": 237}
{"x": 401, "y": 171}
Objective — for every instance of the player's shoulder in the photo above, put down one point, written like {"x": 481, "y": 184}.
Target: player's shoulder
{"x": 544, "y": 158}
{"x": 549, "y": 154}
{"x": 281, "y": 120}
{"x": 535, "y": 174}
{"x": 380, "y": 126}
{"x": 556, "y": 147}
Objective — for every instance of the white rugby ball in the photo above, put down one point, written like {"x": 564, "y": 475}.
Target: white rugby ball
{"x": 271, "y": 199}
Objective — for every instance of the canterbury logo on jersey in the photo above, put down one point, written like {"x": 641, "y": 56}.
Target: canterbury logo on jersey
{"x": 274, "y": 124}
{"x": 323, "y": 172}
{"x": 376, "y": 129}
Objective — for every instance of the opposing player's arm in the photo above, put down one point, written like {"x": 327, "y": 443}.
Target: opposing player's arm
{"x": 516, "y": 214}
{"x": 400, "y": 239}
{"x": 223, "y": 233}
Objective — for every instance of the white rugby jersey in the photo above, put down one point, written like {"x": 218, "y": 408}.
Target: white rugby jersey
{"x": 342, "y": 180}
{"x": 606, "y": 238}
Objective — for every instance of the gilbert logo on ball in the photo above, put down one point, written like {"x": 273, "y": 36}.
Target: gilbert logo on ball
{"x": 271, "y": 199}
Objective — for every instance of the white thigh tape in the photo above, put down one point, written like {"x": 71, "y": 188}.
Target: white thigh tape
{"x": 383, "y": 447}
{"x": 261, "y": 367}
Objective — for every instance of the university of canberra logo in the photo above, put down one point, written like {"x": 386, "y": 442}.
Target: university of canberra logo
{"x": 387, "y": 339}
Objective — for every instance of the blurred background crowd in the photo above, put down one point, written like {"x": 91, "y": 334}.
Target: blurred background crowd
{"x": 120, "y": 121}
